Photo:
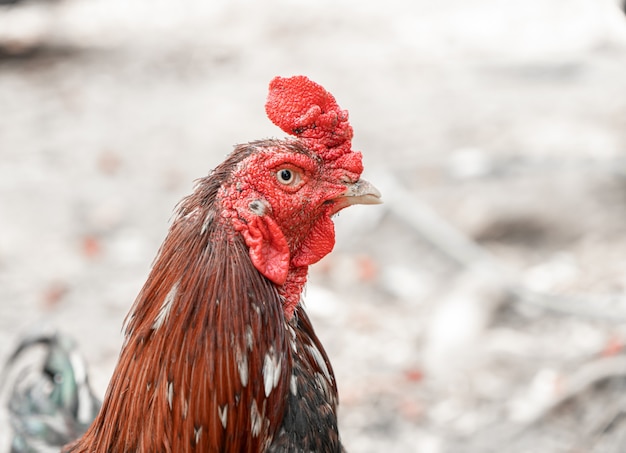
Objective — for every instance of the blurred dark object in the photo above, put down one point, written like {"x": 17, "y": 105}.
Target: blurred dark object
{"x": 50, "y": 404}
{"x": 14, "y": 2}
{"x": 29, "y": 28}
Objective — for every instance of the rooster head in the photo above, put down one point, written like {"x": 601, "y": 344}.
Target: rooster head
{"x": 283, "y": 194}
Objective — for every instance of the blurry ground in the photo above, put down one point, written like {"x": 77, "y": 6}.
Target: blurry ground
{"x": 503, "y": 121}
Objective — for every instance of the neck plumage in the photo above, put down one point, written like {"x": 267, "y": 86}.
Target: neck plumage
{"x": 206, "y": 361}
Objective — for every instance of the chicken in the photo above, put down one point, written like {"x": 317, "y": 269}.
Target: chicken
{"x": 219, "y": 354}
{"x": 50, "y": 405}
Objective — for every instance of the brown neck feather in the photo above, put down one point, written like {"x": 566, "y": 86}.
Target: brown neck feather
{"x": 193, "y": 372}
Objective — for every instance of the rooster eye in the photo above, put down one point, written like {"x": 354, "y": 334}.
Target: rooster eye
{"x": 285, "y": 176}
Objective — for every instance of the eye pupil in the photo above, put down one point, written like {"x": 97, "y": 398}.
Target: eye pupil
{"x": 285, "y": 175}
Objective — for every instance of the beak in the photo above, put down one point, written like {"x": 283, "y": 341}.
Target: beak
{"x": 360, "y": 192}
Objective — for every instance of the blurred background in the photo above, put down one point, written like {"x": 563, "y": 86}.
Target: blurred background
{"x": 482, "y": 308}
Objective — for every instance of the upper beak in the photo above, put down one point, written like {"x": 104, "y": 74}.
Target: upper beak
{"x": 360, "y": 192}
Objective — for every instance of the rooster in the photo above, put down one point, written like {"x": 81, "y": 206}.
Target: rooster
{"x": 219, "y": 354}
{"x": 52, "y": 404}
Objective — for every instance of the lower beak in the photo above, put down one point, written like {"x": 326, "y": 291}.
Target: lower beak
{"x": 360, "y": 192}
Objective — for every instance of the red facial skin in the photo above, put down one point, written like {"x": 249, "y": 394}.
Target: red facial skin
{"x": 295, "y": 229}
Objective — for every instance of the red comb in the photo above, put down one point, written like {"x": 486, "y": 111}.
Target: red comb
{"x": 305, "y": 109}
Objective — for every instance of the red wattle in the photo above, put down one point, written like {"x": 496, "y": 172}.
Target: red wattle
{"x": 268, "y": 247}
{"x": 318, "y": 243}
